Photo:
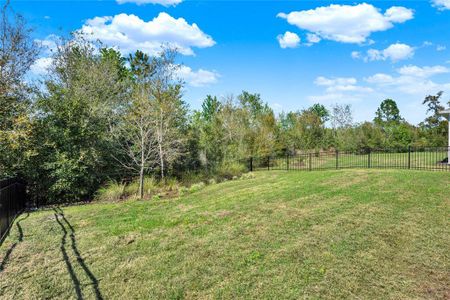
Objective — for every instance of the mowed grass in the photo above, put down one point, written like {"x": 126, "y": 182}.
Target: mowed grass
{"x": 357, "y": 234}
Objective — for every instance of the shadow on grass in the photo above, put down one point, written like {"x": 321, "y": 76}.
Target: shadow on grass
{"x": 63, "y": 222}
{"x": 13, "y": 246}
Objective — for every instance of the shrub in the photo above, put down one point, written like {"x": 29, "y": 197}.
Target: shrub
{"x": 150, "y": 186}
{"x": 183, "y": 190}
{"x": 229, "y": 170}
{"x": 196, "y": 187}
{"x": 112, "y": 191}
{"x": 170, "y": 184}
{"x": 190, "y": 178}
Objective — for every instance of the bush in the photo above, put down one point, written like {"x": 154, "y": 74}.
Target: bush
{"x": 196, "y": 187}
{"x": 230, "y": 170}
{"x": 150, "y": 186}
{"x": 183, "y": 191}
{"x": 170, "y": 184}
{"x": 112, "y": 191}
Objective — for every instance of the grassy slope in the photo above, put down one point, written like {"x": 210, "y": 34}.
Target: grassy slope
{"x": 330, "y": 234}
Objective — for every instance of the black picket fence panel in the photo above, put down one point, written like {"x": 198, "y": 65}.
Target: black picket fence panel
{"x": 430, "y": 158}
{"x": 12, "y": 203}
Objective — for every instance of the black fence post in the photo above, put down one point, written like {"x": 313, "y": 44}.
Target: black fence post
{"x": 287, "y": 161}
{"x": 409, "y": 157}
{"x": 310, "y": 161}
{"x": 337, "y": 159}
{"x": 268, "y": 163}
{"x": 368, "y": 159}
{"x": 251, "y": 163}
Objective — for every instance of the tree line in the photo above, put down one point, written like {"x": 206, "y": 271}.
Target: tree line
{"x": 97, "y": 115}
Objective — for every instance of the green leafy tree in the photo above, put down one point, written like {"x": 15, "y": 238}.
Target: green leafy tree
{"x": 83, "y": 94}
{"x": 387, "y": 113}
{"x": 17, "y": 53}
{"x": 321, "y": 111}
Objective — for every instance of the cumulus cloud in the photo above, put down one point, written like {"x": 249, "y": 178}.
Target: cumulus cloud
{"x": 198, "y": 78}
{"x": 347, "y": 23}
{"x": 441, "y": 4}
{"x": 440, "y": 48}
{"x": 141, "y": 2}
{"x": 424, "y": 72}
{"x": 394, "y": 52}
{"x": 340, "y": 88}
{"x": 130, "y": 33}
{"x": 313, "y": 38}
{"x": 41, "y": 65}
{"x": 356, "y": 54}
{"x": 412, "y": 80}
{"x": 288, "y": 40}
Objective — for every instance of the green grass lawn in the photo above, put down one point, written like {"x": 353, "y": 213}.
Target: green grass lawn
{"x": 284, "y": 235}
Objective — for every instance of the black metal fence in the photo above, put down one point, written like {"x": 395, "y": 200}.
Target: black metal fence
{"x": 12, "y": 202}
{"x": 435, "y": 159}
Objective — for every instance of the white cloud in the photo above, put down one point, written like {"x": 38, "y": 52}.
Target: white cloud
{"x": 398, "y": 14}
{"x": 441, "y": 4}
{"x": 313, "y": 38}
{"x": 130, "y": 33}
{"x": 394, "y": 52}
{"x": 347, "y": 23}
{"x": 424, "y": 72}
{"x": 198, "y": 78}
{"x": 339, "y": 88}
{"x": 41, "y": 65}
{"x": 412, "y": 80}
{"x": 440, "y": 48}
{"x": 288, "y": 40}
{"x": 49, "y": 43}
{"x": 324, "y": 81}
{"x": 162, "y": 2}
{"x": 356, "y": 54}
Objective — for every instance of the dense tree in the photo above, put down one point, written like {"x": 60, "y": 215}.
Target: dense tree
{"x": 435, "y": 127}
{"x": 387, "y": 113}
{"x": 321, "y": 111}
{"x": 17, "y": 54}
{"x": 74, "y": 112}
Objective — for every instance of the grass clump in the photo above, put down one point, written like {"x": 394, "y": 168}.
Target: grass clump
{"x": 231, "y": 170}
{"x": 112, "y": 191}
{"x": 150, "y": 187}
{"x": 196, "y": 187}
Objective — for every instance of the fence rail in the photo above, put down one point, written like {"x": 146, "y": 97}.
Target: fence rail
{"x": 12, "y": 202}
{"x": 435, "y": 159}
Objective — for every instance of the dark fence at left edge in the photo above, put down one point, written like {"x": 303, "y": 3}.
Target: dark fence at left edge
{"x": 13, "y": 200}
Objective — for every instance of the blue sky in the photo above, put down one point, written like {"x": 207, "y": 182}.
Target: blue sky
{"x": 294, "y": 53}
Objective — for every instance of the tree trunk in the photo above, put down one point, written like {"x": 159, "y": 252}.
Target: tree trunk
{"x": 141, "y": 173}
{"x": 161, "y": 157}
{"x": 141, "y": 182}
